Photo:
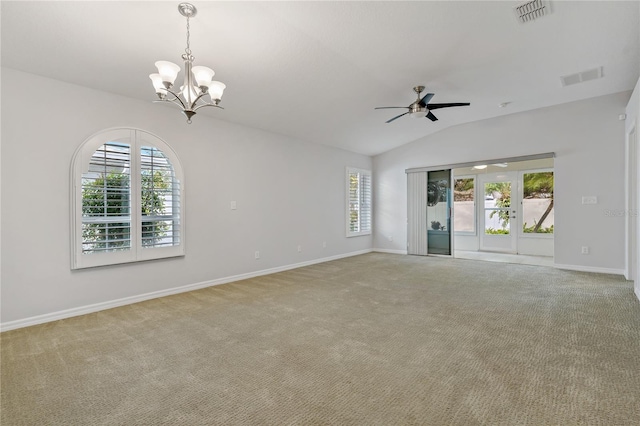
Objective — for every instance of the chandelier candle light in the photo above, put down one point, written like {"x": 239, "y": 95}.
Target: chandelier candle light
{"x": 198, "y": 80}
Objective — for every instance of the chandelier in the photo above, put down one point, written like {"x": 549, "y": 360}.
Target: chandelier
{"x": 198, "y": 80}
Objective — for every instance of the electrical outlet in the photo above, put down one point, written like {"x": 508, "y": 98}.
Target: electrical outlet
{"x": 299, "y": 249}
{"x": 585, "y": 250}
{"x": 324, "y": 244}
{"x": 233, "y": 205}
{"x": 591, "y": 199}
{"x": 390, "y": 237}
{"x": 257, "y": 255}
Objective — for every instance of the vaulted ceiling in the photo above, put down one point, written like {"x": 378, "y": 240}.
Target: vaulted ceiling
{"x": 316, "y": 70}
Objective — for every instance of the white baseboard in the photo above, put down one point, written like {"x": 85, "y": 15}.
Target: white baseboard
{"x": 381, "y": 250}
{"x": 636, "y": 290}
{"x": 88, "y": 309}
{"x": 590, "y": 269}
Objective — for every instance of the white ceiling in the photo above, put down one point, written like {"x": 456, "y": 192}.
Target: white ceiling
{"x": 316, "y": 70}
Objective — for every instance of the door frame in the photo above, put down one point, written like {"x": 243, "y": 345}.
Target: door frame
{"x": 632, "y": 263}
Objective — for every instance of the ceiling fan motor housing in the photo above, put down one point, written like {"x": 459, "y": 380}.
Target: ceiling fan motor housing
{"x": 416, "y": 108}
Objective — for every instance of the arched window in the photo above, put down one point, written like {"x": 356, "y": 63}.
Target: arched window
{"x": 127, "y": 192}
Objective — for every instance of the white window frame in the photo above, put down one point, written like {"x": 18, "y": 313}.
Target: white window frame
{"x": 475, "y": 204}
{"x": 365, "y": 203}
{"x": 136, "y": 138}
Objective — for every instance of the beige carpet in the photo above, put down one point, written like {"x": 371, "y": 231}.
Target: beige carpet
{"x": 377, "y": 339}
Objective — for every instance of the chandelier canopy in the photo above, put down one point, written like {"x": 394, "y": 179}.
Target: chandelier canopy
{"x": 198, "y": 80}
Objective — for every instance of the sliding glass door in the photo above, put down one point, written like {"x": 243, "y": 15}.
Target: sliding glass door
{"x": 429, "y": 204}
{"x": 439, "y": 212}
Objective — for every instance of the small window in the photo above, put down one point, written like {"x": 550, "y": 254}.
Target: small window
{"x": 358, "y": 202}
{"x": 464, "y": 219}
{"x": 127, "y": 200}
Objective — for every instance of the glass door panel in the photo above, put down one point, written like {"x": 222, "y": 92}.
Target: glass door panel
{"x": 498, "y": 216}
{"x": 439, "y": 212}
{"x": 497, "y": 203}
{"x": 464, "y": 219}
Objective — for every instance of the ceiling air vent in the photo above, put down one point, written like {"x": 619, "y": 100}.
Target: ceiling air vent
{"x": 581, "y": 77}
{"x": 532, "y": 10}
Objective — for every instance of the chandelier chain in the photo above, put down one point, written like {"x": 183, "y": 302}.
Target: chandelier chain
{"x": 188, "y": 49}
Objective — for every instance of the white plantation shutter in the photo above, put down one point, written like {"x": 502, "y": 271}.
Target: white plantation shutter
{"x": 365, "y": 202}
{"x": 127, "y": 203}
{"x": 106, "y": 199}
{"x": 160, "y": 191}
{"x": 359, "y": 216}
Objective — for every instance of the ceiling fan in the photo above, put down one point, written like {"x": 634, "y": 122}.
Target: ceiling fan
{"x": 422, "y": 107}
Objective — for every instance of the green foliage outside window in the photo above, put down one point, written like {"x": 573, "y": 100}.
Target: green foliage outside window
{"x": 106, "y": 196}
{"x": 493, "y": 231}
{"x": 504, "y": 202}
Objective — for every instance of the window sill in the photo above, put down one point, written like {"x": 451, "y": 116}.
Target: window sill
{"x": 359, "y": 234}
{"x": 99, "y": 263}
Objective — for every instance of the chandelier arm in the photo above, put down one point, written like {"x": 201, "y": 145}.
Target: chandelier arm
{"x": 206, "y": 105}
{"x": 193, "y": 104}
{"x": 176, "y": 98}
{"x": 172, "y": 101}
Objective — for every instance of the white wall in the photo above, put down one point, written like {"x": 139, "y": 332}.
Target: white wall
{"x": 588, "y": 139}
{"x": 288, "y": 193}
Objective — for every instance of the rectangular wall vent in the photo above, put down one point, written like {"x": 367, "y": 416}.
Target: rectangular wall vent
{"x": 581, "y": 77}
{"x": 532, "y": 10}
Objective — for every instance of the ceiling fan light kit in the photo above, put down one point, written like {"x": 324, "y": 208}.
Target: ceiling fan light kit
{"x": 198, "y": 80}
{"x": 422, "y": 108}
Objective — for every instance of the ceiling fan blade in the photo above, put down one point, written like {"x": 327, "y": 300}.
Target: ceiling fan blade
{"x": 431, "y": 117}
{"x": 396, "y": 117}
{"x": 425, "y": 99}
{"x": 437, "y": 106}
{"x": 388, "y": 107}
